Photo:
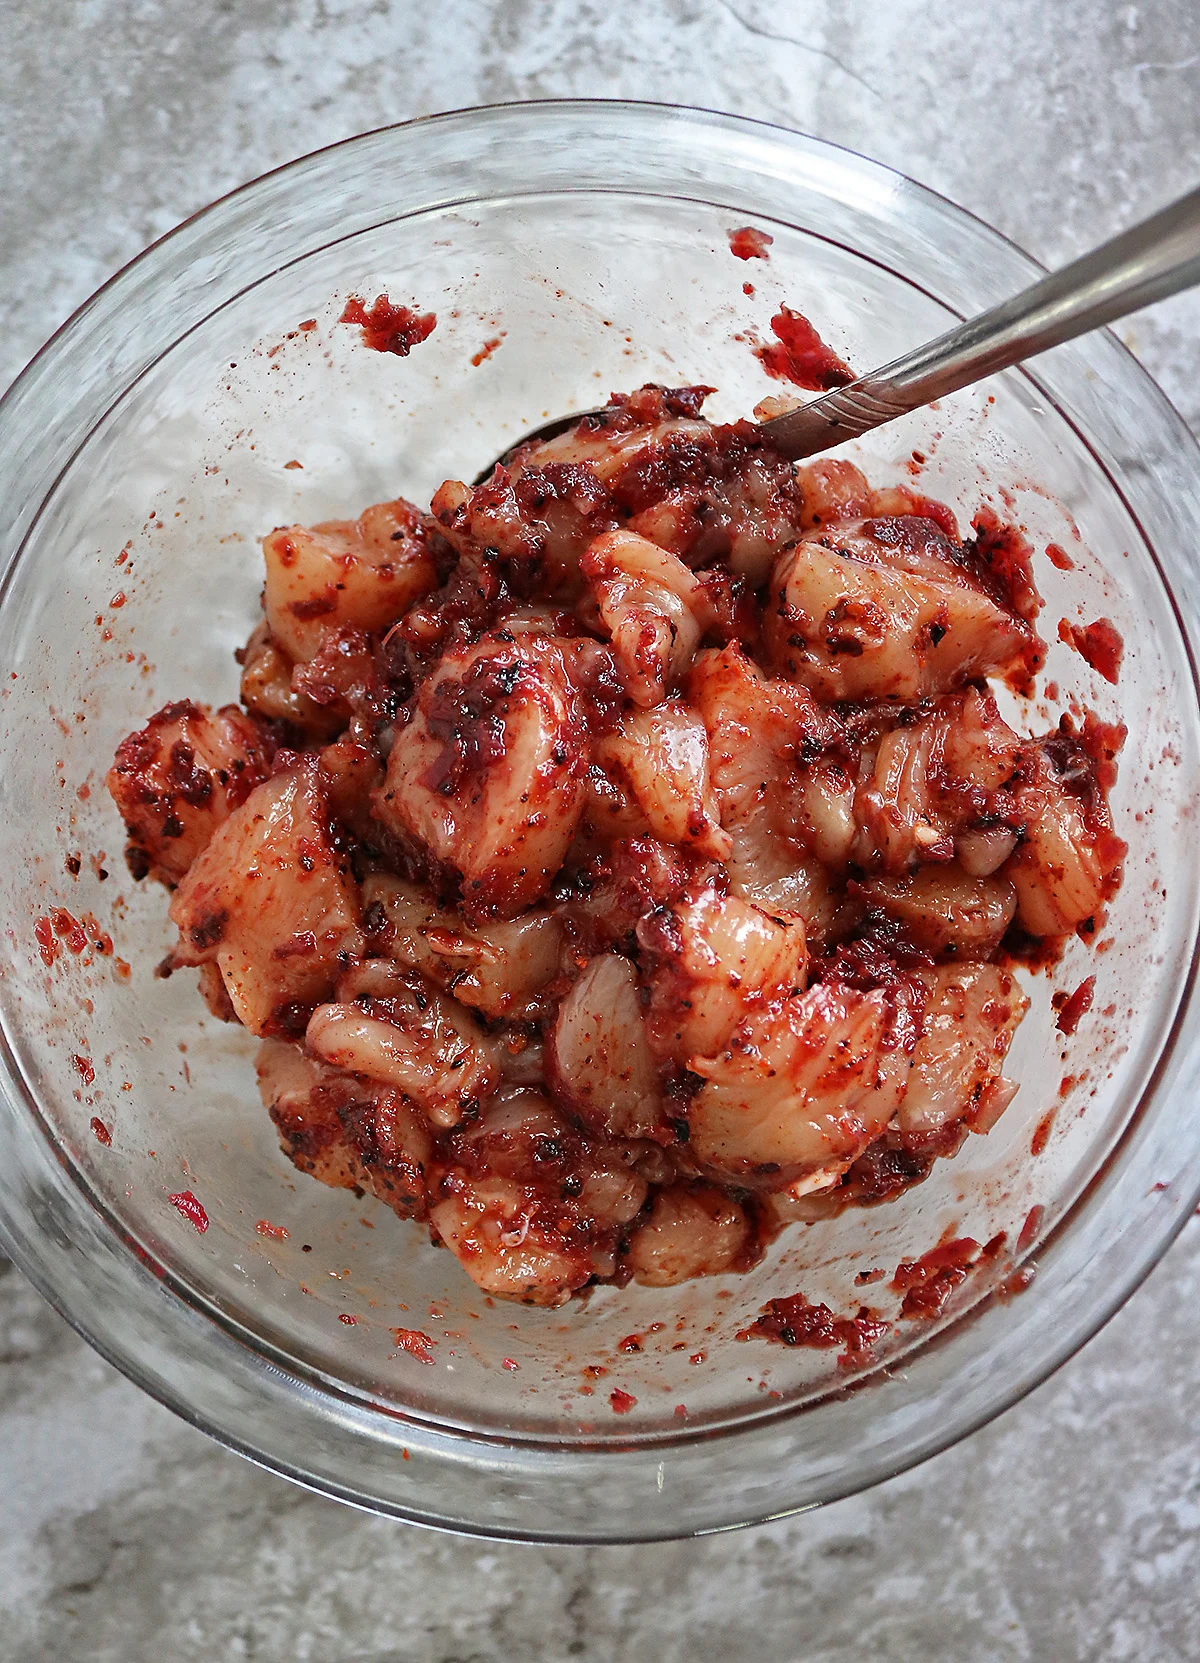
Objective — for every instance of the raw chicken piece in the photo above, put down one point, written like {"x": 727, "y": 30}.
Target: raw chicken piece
{"x": 882, "y": 609}
{"x": 530, "y": 1209}
{"x": 178, "y": 778}
{"x": 487, "y": 777}
{"x": 273, "y": 902}
{"x": 364, "y": 573}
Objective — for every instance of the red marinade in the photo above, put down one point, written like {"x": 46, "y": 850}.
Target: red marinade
{"x": 799, "y": 355}
{"x": 746, "y": 243}
{"x": 388, "y": 328}
{"x": 1071, "y": 1009}
{"x": 794, "y": 1322}
{"x": 928, "y": 1282}
{"x": 1098, "y": 644}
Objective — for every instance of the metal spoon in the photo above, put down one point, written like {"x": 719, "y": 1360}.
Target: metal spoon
{"x": 1157, "y": 258}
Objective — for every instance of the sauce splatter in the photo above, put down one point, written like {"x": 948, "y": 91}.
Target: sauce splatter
{"x": 747, "y": 243}
{"x": 1002, "y": 557}
{"x": 69, "y": 929}
{"x": 928, "y": 1282}
{"x": 486, "y": 349}
{"x": 799, "y": 355}
{"x": 344, "y": 1316}
{"x": 794, "y": 1322}
{"x": 1041, "y": 1135}
{"x": 47, "y": 946}
{"x": 621, "y": 1402}
{"x": 416, "y": 1344}
{"x": 99, "y": 938}
{"x": 1030, "y": 1228}
{"x": 1016, "y": 1283}
{"x": 1098, "y": 644}
{"x": 83, "y": 1067}
{"x": 511, "y": 1364}
{"x": 388, "y": 328}
{"x": 1059, "y": 557}
{"x": 191, "y": 1208}
{"x": 276, "y": 1232}
{"x": 100, "y": 1131}
{"x": 1073, "y": 1007}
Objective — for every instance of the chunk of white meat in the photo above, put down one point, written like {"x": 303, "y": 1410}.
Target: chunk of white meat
{"x": 539, "y": 519}
{"x": 802, "y": 1088}
{"x": 925, "y": 785}
{"x": 531, "y": 1211}
{"x": 485, "y": 1224}
{"x": 363, "y": 573}
{"x": 391, "y": 1026}
{"x": 1062, "y": 864}
{"x": 653, "y": 607}
{"x": 487, "y": 777}
{"x": 599, "y": 1064}
{"x": 343, "y": 1134}
{"x": 273, "y": 902}
{"x": 610, "y": 810}
{"x": 691, "y": 1230}
{"x": 832, "y": 490}
{"x": 604, "y": 447}
{"x": 982, "y": 850}
{"x": 498, "y": 968}
{"x": 302, "y": 1097}
{"x": 792, "y": 887}
{"x": 818, "y": 810}
{"x": 351, "y": 772}
{"x": 757, "y": 732}
{"x": 854, "y": 617}
{"x": 944, "y": 910}
{"x": 710, "y": 961}
{"x": 178, "y": 778}
{"x": 897, "y": 806}
{"x": 660, "y": 759}
{"x": 970, "y": 1018}
{"x": 267, "y": 690}
{"x": 739, "y": 515}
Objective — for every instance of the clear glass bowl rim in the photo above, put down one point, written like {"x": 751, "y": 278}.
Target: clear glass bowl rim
{"x": 143, "y": 1322}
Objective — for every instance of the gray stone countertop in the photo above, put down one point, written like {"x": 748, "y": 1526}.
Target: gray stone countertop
{"x": 1070, "y": 1528}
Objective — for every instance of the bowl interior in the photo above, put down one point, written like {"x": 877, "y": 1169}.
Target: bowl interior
{"x": 141, "y": 575}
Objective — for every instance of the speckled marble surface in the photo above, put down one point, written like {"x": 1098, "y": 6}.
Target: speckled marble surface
{"x": 1068, "y": 1529}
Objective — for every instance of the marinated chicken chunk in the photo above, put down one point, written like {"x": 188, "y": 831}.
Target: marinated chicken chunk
{"x": 629, "y": 857}
{"x": 485, "y": 780}
{"x": 531, "y": 1208}
{"x": 886, "y": 609}
{"x": 273, "y": 902}
{"x": 180, "y": 776}
{"x": 365, "y": 573}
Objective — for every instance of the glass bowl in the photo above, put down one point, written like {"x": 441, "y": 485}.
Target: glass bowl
{"x": 144, "y": 453}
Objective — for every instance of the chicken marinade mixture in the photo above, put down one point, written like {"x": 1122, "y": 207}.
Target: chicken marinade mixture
{"x": 628, "y": 856}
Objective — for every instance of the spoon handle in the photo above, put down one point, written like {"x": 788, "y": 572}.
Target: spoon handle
{"x": 1150, "y": 261}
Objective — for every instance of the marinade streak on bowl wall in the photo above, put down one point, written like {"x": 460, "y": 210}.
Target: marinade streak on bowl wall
{"x": 628, "y": 857}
